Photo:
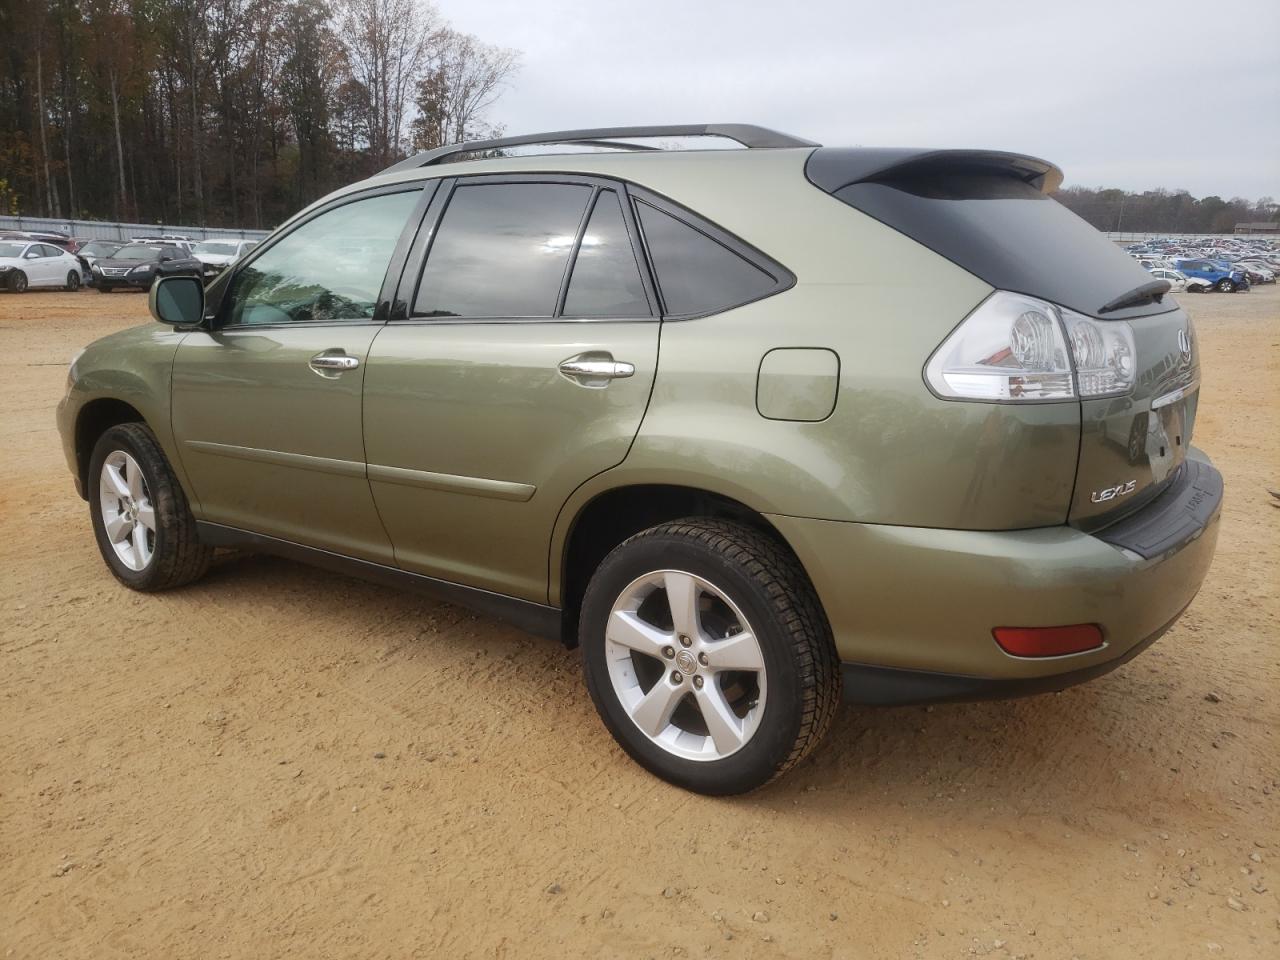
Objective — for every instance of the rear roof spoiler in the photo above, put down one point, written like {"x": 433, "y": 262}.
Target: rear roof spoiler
{"x": 832, "y": 168}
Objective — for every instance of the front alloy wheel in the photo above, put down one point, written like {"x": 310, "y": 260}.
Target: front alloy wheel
{"x": 17, "y": 281}
{"x": 128, "y": 516}
{"x": 141, "y": 520}
{"x": 1226, "y": 286}
{"x": 708, "y": 655}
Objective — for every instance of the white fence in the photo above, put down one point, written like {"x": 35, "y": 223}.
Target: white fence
{"x": 109, "y": 230}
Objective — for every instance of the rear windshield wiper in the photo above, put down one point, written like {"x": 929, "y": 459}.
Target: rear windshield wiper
{"x": 1152, "y": 290}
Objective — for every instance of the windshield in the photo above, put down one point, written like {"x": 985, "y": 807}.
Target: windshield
{"x": 99, "y": 248}
{"x": 11, "y": 249}
{"x": 220, "y": 248}
{"x": 137, "y": 251}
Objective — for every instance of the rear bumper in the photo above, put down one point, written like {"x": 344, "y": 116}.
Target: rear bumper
{"x": 912, "y": 609}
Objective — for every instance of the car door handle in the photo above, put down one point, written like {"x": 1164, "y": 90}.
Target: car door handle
{"x": 596, "y": 372}
{"x": 331, "y": 363}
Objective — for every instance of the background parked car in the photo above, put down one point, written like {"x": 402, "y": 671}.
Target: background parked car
{"x": 1222, "y": 277}
{"x": 217, "y": 255}
{"x": 137, "y": 265}
{"x": 24, "y": 264}
{"x": 1256, "y": 272}
{"x": 1177, "y": 279}
{"x": 179, "y": 240}
{"x": 94, "y": 250}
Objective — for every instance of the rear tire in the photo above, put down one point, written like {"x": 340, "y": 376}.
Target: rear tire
{"x": 141, "y": 519}
{"x": 73, "y": 281}
{"x": 742, "y": 700}
{"x": 17, "y": 282}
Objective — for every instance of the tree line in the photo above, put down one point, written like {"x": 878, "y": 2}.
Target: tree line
{"x": 226, "y": 112}
{"x": 1164, "y": 211}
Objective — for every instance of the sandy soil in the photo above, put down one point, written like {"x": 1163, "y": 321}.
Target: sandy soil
{"x": 283, "y": 762}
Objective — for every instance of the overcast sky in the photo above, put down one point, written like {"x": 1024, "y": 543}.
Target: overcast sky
{"x": 1127, "y": 93}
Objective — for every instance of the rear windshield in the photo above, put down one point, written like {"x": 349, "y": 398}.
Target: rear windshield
{"x": 1009, "y": 234}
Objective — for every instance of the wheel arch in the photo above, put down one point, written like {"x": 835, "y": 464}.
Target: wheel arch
{"x": 94, "y": 419}
{"x": 586, "y": 535}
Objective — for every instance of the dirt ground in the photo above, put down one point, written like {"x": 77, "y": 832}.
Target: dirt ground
{"x": 283, "y": 762}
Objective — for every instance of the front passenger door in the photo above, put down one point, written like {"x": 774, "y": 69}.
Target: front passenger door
{"x": 267, "y": 404}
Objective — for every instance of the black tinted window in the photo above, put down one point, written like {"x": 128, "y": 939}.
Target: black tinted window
{"x": 697, "y": 274}
{"x": 606, "y": 279}
{"x": 501, "y": 250}
{"x": 1006, "y": 232}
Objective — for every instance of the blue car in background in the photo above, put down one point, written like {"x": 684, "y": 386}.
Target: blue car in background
{"x": 1221, "y": 276}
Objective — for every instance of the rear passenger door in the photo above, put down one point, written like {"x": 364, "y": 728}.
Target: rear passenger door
{"x": 48, "y": 270}
{"x": 516, "y": 365}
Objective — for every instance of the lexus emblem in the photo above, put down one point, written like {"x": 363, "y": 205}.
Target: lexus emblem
{"x": 1184, "y": 343}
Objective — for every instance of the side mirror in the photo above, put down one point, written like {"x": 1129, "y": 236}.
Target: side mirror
{"x": 178, "y": 301}
{"x": 165, "y": 259}
{"x": 31, "y": 255}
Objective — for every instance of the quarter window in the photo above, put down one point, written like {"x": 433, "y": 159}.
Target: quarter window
{"x": 330, "y": 268}
{"x": 696, "y": 274}
{"x": 501, "y": 250}
{"x": 606, "y": 278}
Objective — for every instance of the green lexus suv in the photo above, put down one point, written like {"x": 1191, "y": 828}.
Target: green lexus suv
{"x": 756, "y": 428}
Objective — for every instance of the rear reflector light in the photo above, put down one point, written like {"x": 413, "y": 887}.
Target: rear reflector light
{"x": 1048, "y": 641}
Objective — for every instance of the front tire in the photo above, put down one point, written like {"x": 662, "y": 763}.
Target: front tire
{"x": 1226, "y": 286}
{"x": 73, "y": 281}
{"x": 141, "y": 519}
{"x": 708, "y": 655}
{"x": 17, "y": 282}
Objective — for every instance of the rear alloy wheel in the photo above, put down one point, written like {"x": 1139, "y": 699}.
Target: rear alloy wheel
{"x": 1226, "y": 286}
{"x": 708, "y": 655}
{"x": 141, "y": 519}
{"x": 73, "y": 281}
{"x": 17, "y": 281}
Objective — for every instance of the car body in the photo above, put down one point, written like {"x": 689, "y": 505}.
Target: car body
{"x": 1256, "y": 271}
{"x": 183, "y": 242}
{"x": 92, "y": 250}
{"x": 26, "y": 264}
{"x": 1177, "y": 279}
{"x": 217, "y": 255}
{"x": 137, "y": 265}
{"x": 1220, "y": 276}
{"x": 746, "y": 453}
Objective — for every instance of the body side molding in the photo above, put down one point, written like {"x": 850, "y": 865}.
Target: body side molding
{"x": 536, "y": 618}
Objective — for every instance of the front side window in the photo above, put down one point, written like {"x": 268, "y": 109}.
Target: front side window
{"x": 606, "y": 278}
{"x": 330, "y": 268}
{"x": 696, "y": 274}
{"x": 501, "y": 250}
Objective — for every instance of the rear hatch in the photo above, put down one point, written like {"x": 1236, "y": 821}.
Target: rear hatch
{"x": 990, "y": 213}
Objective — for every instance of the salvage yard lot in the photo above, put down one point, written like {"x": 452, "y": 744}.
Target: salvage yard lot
{"x": 279, "y": 760}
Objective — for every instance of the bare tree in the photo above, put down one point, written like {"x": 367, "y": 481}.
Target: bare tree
{"x": 386, "y": 44}
{"x": 463, "y": 77}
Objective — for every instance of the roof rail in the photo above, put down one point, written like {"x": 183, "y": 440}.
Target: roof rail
{"x": 747, "y": 134}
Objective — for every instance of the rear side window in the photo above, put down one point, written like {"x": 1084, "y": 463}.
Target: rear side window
{"x": 697, "y": 274}
{"x": 606, "y": 278}
{"x": 501, "y": 250}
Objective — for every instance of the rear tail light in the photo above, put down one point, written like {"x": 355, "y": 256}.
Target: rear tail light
{"x": 1016, "y": 348}
{"x": 1048, "y": 641}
